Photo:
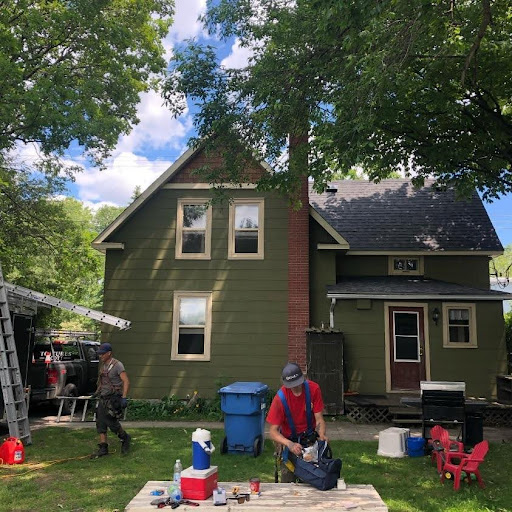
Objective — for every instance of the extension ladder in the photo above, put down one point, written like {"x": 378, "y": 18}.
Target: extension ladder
{"x": 16, "y": 409}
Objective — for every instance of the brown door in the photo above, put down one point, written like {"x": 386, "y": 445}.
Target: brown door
{"x": 407, "y": 347}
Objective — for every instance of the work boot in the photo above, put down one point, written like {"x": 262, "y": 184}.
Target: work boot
{"x": 102, "y": 451}
{"x": 125, "y": 442}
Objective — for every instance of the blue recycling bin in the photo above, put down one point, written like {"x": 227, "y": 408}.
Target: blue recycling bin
{"x": 243, "y": 405}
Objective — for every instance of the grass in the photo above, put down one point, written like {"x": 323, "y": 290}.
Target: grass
{"x": 109, "y": 483}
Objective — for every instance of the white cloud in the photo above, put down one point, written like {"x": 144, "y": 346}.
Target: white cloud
{"x": 186, "y": 23}
{"x": 157, "y": 128}
{"x": 115, "y": 185}
{"x": 239, "y": 56}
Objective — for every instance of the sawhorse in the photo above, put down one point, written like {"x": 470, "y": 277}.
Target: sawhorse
{"x": 74, "y": 399}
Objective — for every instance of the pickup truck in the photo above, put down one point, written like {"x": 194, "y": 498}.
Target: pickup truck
{"x": 67, "y": 367}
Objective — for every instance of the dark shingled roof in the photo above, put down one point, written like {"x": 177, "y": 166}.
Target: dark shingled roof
{"x": 409, "y": 286}
{"x": 394, "y": 216}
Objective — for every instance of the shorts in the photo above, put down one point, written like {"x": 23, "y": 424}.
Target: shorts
{"x": 105, "y": 421}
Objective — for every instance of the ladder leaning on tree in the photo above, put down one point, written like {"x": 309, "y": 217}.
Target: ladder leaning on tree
{"x": 10, "y": 376}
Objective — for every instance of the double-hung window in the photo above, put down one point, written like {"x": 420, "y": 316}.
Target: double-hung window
{"x": 193, "y": 229}
{"x": 459, "y": 325}
{"x": 191, "y": 332}
{"x": 246, "y": 235}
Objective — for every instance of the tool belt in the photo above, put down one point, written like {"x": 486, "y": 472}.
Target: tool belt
{"x": 112, "y": 404}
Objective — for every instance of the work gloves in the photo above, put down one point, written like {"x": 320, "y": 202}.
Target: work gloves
{"x": 124, "y": 402}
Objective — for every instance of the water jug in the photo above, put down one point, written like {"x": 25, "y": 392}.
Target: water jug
{"x": 12, "y": 451}
{"x": 202, "y": 448}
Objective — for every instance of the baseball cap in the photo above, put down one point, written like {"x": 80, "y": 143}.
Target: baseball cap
{"x": 292, "y": 375}
{"x": 104, "y": 348}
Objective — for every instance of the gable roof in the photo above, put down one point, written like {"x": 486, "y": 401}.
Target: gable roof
{"x": 100, "y": 241}
{"x": 394, "y": 216}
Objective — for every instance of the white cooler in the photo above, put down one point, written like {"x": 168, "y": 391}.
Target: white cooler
{"x": 393, "y": 442}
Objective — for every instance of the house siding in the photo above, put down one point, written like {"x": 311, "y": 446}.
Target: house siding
{"x": 365, "y": 355}
{"x": 249, "y": 303}
{"x": 464, "y": 270}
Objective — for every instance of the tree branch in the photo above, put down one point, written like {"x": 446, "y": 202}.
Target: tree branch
{"x": 486, "y": 21}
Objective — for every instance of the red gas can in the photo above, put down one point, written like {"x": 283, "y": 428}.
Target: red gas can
{"x": 12, "y": 451}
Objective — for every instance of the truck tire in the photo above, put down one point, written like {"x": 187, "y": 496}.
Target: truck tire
{"x": 69, "y": 390}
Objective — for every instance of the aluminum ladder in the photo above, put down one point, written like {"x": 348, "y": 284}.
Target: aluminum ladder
{"x": 16, "y": 409}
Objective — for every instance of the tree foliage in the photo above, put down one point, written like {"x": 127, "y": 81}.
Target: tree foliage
{"x": 422, "y": 86}
{"x": 73, "y": 70}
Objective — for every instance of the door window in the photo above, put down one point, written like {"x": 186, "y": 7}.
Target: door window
{"x": 406, "y": 335}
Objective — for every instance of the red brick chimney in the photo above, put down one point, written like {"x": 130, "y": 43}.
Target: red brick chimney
{"x": 298, "y": 255}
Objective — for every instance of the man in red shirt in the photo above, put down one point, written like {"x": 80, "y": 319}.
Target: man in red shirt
{"x": 294, "y": 392}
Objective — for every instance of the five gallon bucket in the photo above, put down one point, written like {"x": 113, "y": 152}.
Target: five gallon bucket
{"x": 202, "y": 447}
{"x": 416, "y": 446}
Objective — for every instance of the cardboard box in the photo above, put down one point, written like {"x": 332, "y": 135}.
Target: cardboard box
{"x": 198, "y": 484}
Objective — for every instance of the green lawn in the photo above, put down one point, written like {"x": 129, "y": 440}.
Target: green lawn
{"x": 109, "y": 483}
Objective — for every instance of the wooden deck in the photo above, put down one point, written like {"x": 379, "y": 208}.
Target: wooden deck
{"x": 275, "y": 497}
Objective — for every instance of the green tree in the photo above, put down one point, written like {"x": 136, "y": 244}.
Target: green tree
{"x": 73, "y": 70}
{"x": 421, "y": 86}
{"x": 105, "y": 216}
{"x": 501, "y": 266}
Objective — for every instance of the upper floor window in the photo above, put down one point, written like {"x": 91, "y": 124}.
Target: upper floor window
{"x": 191, "y": 329}
{"x": 459, "y": 325}
{"x": 193, "y": 229}
{"x": 405, "y": 265}
{"x": 246, "y": 233}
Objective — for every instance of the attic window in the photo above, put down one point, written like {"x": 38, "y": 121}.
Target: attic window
{"x": 405, "y": 265}
{"x": 246, "y": 217}
{"x": 193, "y": 229}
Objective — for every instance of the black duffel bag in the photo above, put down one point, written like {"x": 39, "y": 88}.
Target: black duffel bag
{"x": 324, "y": 474}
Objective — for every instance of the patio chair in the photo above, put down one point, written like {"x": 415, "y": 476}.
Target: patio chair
{"x": 468, "y": 464}
{"x": 441, "y": 443}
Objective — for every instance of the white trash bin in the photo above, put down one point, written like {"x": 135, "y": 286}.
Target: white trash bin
{"x": 393, "y": 442}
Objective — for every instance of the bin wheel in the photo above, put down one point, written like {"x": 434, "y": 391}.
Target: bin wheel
{"x": 224, "y": 447}
{"x": 258, "y": 446}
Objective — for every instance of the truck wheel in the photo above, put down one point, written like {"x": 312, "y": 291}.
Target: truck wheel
{"x": 69, "y": 390}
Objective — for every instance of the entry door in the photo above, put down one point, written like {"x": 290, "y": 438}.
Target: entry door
{"x": 407, "y": 347}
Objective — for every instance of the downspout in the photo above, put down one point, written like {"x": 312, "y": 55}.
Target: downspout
{"x": 331, "y": 313}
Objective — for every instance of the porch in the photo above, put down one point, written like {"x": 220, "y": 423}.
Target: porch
{"x": 389, "y": 408}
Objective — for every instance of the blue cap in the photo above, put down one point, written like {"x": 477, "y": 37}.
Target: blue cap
{"x": 292, "y": 375}
{"x": 104, "y": 348}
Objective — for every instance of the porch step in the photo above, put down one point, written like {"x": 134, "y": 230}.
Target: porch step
{"x": 405, "y": 415}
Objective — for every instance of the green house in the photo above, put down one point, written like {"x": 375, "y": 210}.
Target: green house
{"x": 224, "y": 292}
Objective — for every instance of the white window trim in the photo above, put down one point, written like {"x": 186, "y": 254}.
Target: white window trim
{"x": 393, "y": 272}
{"x": 179, "y": 230}
{"x": 418, "y": 359}
{"x": 261, "y": 231}
{"x": 178, "y": 295}
{"x": 473, "y": 342}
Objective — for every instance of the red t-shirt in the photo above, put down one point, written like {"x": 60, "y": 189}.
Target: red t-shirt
{"x": 297, "y": 405}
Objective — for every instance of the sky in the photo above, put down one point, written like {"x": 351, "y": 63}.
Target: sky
{"x": 159, "y": 139}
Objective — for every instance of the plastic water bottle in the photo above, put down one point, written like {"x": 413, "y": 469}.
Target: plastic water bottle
{"x": 178, "y": 468}
{"x": 174, "y": 492}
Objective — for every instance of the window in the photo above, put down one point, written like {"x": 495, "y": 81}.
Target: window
{"x": 191, "y": 328}
{"x": 405, "y": 265}
{"x": 459, "y": 326}
{"x": 246, "y": 229}
{"x": 406, "y": 335}
{"x": 193, "y": 229}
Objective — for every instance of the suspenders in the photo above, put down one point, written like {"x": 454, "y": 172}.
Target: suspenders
{"x": 309, "y": 415}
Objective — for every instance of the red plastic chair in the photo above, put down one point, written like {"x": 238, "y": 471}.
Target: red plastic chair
{"x": 441, "y": 444}
{"x": 468, "y": 463}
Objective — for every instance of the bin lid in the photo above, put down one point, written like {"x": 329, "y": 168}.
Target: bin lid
{"x": 248, "y": 388}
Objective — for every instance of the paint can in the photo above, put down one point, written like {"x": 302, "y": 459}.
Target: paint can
{"x": 254, "y": 484}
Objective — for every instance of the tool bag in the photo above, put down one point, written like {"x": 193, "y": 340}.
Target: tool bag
{"x": 325, "y": 472}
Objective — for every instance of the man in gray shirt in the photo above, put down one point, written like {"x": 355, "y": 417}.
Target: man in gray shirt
{"x": 113, "y": 385}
